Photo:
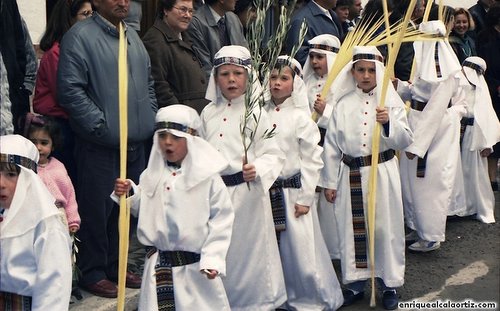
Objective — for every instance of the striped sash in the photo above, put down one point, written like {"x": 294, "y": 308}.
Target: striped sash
{"x": 233, "y": 180}
{"x": 357, "y": 210}
{"x": 464, "y": 122}
{"x": 14, "y": 302}
{"x": 276, "y": 195}
{"x": 164, "y": 279}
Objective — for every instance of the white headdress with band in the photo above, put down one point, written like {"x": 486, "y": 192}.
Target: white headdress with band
{"x": 299, "y": 93}
{"x": 202, "y": 160}
{"x": 435, "y": 60}
{"x": 322, "y": 44}
{"x": 486, "y": 130}
{"x": 229, "y": 55}
{"x": 32, "y": 202}
{"x": 345, "y": 83}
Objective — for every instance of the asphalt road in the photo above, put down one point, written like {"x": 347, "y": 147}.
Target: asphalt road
{"x": 466, "y": 267}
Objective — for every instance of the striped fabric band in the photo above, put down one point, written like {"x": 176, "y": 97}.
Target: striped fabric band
{"x": 364, "y": 56}
{"x": 464, "y": 122}
{"x": 436, "y": 60}
{"x": 286, "y": 62}
{"x": 14, "y": 302}
{"x": 232, "y": 60}
{"x": 15, "y": 159}
{"x": 164, "y": 279}
{"x": 476, "y": 67}
{"x": 233, "y": 180}
{"x": 417, "y": 105}
{"x": 357, "y": 210}
{"x": 358, "y": 162}
{"x": 421, "y": 165}
{"x": 324, "y": 47}
{"x": 277, "y": 197}
{"x": 175, "y": 126}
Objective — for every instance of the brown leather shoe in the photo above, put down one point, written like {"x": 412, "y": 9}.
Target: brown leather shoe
{"x": 132, "y": 280}
{"x": 103, "y": 288}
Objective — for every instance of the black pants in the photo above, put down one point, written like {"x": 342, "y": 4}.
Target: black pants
{"x": 98, "y": 167}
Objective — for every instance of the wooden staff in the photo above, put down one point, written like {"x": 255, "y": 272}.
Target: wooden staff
{"x": 124, "y": 218}
{"x": 372, "y": 182}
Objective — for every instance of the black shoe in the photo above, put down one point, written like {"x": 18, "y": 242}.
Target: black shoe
{"x": 390, "y": 299}
{"x": 350, "y": 297}
{"x": 494, "y": 186}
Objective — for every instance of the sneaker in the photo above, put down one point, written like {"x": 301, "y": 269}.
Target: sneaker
{"x": 350, "y": 297}
{"x": 424, "y": 246}
{"x": 412, "y": 237}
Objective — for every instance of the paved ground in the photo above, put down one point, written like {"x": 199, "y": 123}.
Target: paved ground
{"x": 465, "y": 267}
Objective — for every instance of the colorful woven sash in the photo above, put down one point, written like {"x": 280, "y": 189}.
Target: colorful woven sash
{"x": 277, "y": 196}
{"x": 234, "y": 179}
{"x": 14, "y": 302}
{"x": 421, "y": 165}
{"x": 464, "y": 122}
{"x": 357, "y": 209}
{"x": 164, "y": 279}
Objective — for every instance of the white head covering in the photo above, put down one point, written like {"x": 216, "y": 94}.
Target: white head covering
{"x": 32, "y": 202}
{"x": 435, "y": 60}
{"x": 345, "y": 83}
{"x": 486, "y": 131}
{"x": 323, "y": 44}
{"x": 202, "y": 160}
{"x": 299, "y": 93}
{"x": 233, "y": 55}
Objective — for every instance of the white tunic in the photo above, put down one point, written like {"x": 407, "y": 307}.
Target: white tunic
{"x": 350, "y": 132}
{"x": 254, "y": 274}
{"x": 197, "y": 220}
{"x": 35, "y": 249}
{"x": 310, "y": 279}
{"x": 315, "y": 85}
{"x": 436, "y": 133}
{"x": 478, "y": 193}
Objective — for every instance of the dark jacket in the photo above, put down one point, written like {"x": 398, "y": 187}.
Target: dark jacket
{"x": 176, "y": 69}
{"x": 87, "y": 83}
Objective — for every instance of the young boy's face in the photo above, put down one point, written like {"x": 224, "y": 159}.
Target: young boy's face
{"x": 173, "y": 148}
{"x": 8, "y": 183}
{"x": 41, "y": 139}
{"x": 342, "y": 12}
{"x": 232, "y": 80}
{"x": 318, "y": 63}
{"x": 364, "y": 73}
{"x": 281, "y": 84}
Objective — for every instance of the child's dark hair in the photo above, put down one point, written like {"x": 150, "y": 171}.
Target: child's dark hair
{"x": 281, "y": 65}
{"x": 9, "y": 167}
{"x": 34, "y": 122}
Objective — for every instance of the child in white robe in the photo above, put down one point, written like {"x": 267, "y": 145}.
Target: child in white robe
{"x": 254, "y": 274}
{"x": 35, "y": 248}
{"x": 310, "y": 279}
{"x": 323, "y": 50}
{"x": 347, "y": 159}
{"x": 482, "y": 131}
{"x": 185, "y": 217}
{"x": 431, "y": 169}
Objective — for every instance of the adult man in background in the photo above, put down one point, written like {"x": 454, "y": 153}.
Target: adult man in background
{"x": 88, "y": 89}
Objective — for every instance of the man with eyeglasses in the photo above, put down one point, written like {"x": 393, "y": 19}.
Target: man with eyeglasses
{"x": 214, "y": 25}
{"x": 87, "y": 85}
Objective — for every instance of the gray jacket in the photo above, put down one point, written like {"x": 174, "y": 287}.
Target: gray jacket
{"x": 87, "y": 83}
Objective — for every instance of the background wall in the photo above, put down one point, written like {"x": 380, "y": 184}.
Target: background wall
{"x": 33, "y": 12}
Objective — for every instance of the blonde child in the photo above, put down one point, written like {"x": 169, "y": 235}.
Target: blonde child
{"x": 310, "y": 279}
{"x": 254, "y": 275}
{"x": 323, "y": 50}
{"x": 185, "y": 217}
{"x": 31, "y": 230}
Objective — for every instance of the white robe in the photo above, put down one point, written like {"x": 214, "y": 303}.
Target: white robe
{"x": 350, "y": 132}
{"x": 480, "y": 199}
{"x": 254, "y": 274}
{"x": 35, "y": 248}
{"x": 310, "y": 279}
{"x": 197, "y": 220}
{"x": 314, "y": 87}
{"x": 436, "y": 132}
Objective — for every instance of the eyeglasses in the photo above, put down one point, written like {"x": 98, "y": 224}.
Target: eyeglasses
{"x": 185, "y": 10}
{"x": 86, "y": 13}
